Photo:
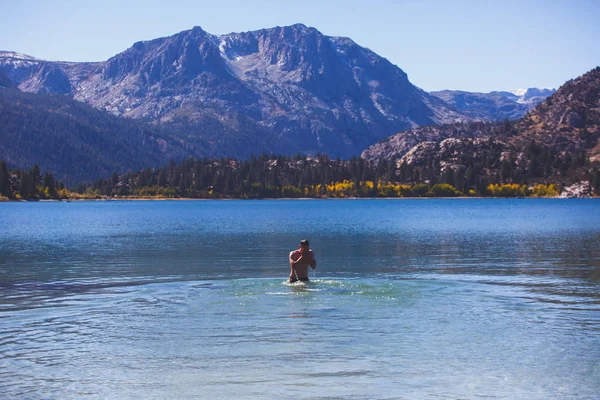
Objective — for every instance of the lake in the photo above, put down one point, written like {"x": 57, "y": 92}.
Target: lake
{"x": 411, "y": 299}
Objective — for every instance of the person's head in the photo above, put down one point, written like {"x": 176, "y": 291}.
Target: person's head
{"x": 304, "y": 245}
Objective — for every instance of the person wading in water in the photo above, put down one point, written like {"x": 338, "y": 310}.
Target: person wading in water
{"x": 299, "y": 261}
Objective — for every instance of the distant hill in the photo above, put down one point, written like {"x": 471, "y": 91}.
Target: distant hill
{"x": 285, "y": 90}
{"x": 75, "y": 141}
{"x": 494, "y": 106}
{"x": 531, "y": 96}
{"x": 569, "y": 119}
{"x": 552, "y": 141}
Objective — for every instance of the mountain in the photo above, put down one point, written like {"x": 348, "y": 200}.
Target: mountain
{"x": 494, "y": 106}
{"x": 569, "y": 119}
{"x": 286, "y": 90}
{"x": 531, "y": 96}
{"x": 555, "y": 137}
{"x": 75, "y": 141}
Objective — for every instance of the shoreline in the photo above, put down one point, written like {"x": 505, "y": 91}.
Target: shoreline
{"x": 279, "y": 199}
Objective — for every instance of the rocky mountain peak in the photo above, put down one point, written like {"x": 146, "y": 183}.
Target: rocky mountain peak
{"x": 304, "y": 90}
{"x": 185, "y": 55}
{"x": 197, "y": 32}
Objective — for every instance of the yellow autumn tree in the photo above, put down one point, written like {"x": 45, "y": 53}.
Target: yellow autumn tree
{"x": 508, "y": 190}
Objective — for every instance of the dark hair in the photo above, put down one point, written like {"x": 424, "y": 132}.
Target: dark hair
{"x": 304, "y": 242}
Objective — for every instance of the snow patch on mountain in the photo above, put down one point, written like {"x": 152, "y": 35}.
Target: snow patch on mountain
{"x": 13, "y": 54}
{"x": 532, "y": 96}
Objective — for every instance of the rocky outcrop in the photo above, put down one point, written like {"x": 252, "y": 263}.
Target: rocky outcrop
{"x": 421, "y": 154}
{"x": 48, "y": 78}
{"x": 581, "y": 189}
{"x": 398, "y": 145}
{"x": 451, "y": 153}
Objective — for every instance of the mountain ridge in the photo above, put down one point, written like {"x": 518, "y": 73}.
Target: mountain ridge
{"x": 495, "y": 105}
{"x": 316, "y": 93}
{"x": 561, "y": 133}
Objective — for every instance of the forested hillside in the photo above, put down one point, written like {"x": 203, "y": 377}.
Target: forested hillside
{"x": 75, "y": 141}
{"x": 300, "y": 176}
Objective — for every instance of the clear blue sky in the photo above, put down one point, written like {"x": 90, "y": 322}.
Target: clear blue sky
{"x": 477, "y": 45}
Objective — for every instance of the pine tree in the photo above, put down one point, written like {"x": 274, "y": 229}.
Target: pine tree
{"x": 4, "y": 180}
{"x": 49, "y": 185}
{"x": 448, "y": 176}
{"x": 506, "y": 171}
{"x": 25, "y": 186}
{"x": 391, "y": 170}
{"x": 36, "y": 179}
{"x": 114, "y": 179}
{"x": 596, "y": 182}
{"x": 162, "y": 178}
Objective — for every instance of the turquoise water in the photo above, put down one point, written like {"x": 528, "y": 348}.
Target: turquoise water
{"x": 412, "y": 299}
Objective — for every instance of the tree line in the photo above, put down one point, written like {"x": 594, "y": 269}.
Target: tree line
{"x": 30, "y": 184}
{"x": 271, "y": 176}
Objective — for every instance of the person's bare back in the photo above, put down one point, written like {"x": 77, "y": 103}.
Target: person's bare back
{"x": 300, "y": 260}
